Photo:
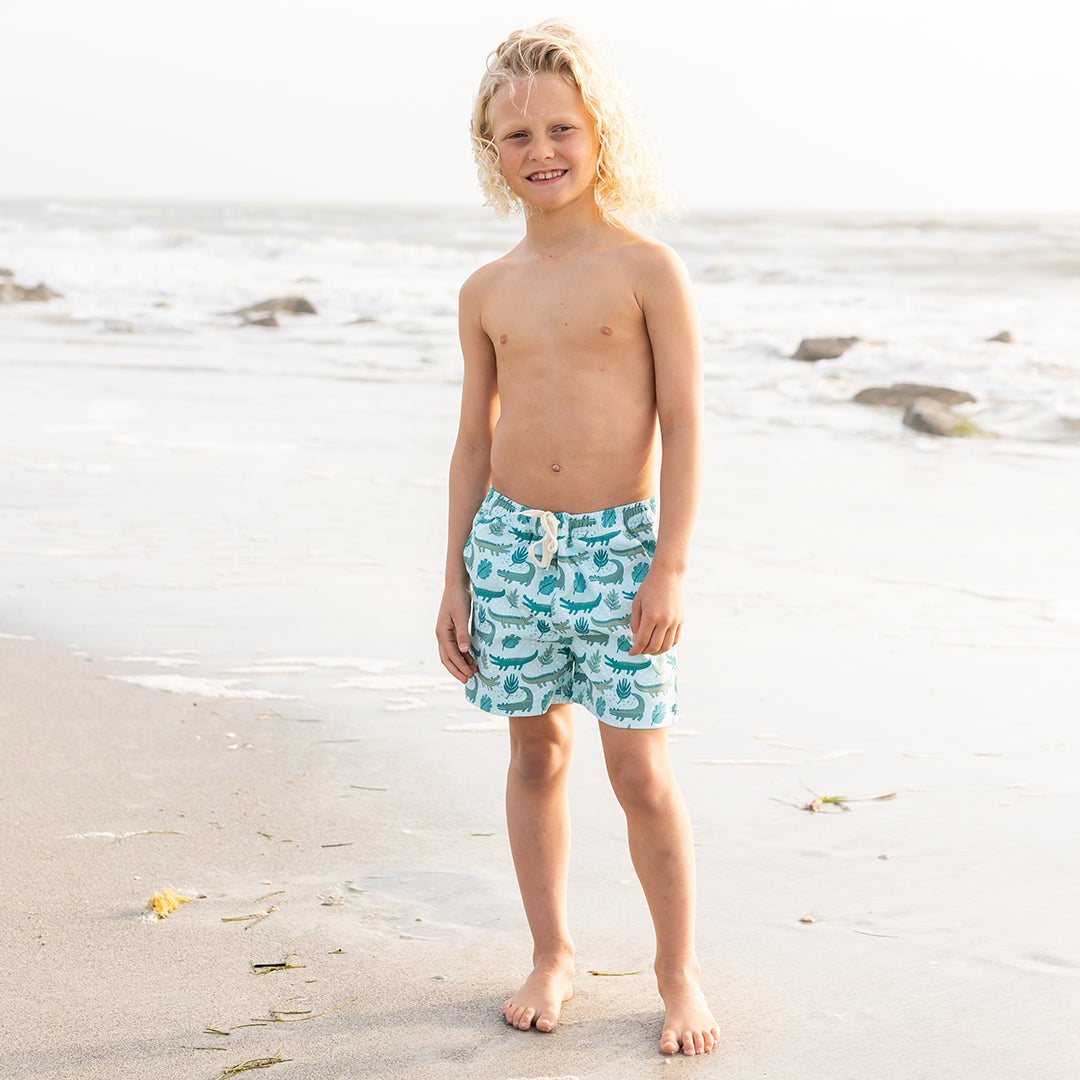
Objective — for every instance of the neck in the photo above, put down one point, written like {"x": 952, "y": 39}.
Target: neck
{"x": 567, "y": 227}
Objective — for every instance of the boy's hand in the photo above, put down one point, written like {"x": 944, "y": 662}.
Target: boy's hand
{"x": 656, "y": 616}
{"x": 452, "y": 632}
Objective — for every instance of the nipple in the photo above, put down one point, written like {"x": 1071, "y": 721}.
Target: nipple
{"x": 503, "y": 339}
{"x": 606, "y": 330}
{"x": 556, "y": 467}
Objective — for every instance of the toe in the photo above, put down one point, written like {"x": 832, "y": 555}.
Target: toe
{"x": 525, "y": 1019}
{"x": 669, "y": 1043}
{"x": 688, "y": 1043}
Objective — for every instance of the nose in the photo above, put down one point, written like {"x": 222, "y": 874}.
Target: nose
{"x": 541, "y": 149}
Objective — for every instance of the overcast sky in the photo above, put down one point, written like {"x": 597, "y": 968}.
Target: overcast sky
{"x": 963, "y": 105}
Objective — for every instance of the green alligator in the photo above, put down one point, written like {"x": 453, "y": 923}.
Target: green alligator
{"x": 539, "y": 609}
{"x": 634, "y": 714}
{"x": 512, "y": 685}
{"x": 627, "y": 665}
{"x": 524, "y": 575}
{"x": 637, "y": 549}
{"x": 655, "y": 688}
{"x": 488, "y": 594}
{"x": 483, "y": 627}
{"x": 586, "y": 522}
{"x": 583, "y": 631}
{"x": 550, "y": 677}
{"x": 619, "y": 620}
{"x": 613, "y": 576}
{"x": 505, "y": 662}
{"x": 599, "y": 538}
{"x": 488, "y": 545}
{"x": 509, "y": 620}
{"x": 504, "y": 503}
{"x": 581, "y": 605}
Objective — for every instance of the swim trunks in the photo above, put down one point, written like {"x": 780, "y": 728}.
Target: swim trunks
{"x": 552, "y": 594}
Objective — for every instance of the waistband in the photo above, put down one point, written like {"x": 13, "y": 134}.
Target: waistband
{"x": 496, "y": 501}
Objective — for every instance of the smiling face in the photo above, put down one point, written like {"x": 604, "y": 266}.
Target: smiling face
{"x": 546, "y": 140}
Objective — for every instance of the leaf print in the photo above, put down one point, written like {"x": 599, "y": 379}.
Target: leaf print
{"x": 498, "y": 527}
{"x": 512, "y": 597}
{"x": 485, "y": 702}
{"x": 611, "y": 598}
{"x": 547, "y": 586}
{"x": 601, "y": 707}
{"x": 624, "y": 689}
{"x": 547, "y": 655}
{"x": 659, "y": 713}
{"x": 600, "y": 559}
{"x": 639, "y": 572}
{"x": 511, "y": 684}
{"x": 624, "y": 643}
{"x": 520, "y": 556}
{"x": 483, "y": 569}
{"x": 580, "y": 584}
{"x": 609, "y": 518}
{"x": 595, "y": 661}
{"x": 511, "y": 641}
{"x": 542, "y": 626}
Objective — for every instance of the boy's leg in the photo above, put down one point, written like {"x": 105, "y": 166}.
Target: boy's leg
{"x": 662, "y": 850}
{"x": 538, "y": 822}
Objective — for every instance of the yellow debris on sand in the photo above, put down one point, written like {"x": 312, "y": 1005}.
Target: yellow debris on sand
{"x": 162, "y": 904}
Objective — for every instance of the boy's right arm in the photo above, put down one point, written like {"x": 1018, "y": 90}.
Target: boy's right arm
{"x": 470, "y": 478}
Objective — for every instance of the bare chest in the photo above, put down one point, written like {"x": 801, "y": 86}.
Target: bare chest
{"x": 574, "y": 316}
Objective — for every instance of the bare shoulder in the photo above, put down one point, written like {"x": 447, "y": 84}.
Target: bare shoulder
{"x": 655, "y": 259}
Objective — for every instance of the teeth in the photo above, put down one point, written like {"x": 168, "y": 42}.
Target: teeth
{"x": 547, "y": 175}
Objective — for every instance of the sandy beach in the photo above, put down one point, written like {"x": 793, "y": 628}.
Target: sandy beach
{"x": 896, "y": 620}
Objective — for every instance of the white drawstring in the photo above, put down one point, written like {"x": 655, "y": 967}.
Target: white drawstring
{"x": 549, "y": 542}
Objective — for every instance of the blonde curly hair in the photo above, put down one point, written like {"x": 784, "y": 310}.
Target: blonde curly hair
{"x": 627, "y": 184}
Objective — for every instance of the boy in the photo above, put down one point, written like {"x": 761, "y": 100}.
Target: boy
{"x": 576, "y": 344}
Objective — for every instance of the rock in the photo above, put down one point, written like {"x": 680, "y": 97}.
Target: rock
{"x": 1004, "y": 336}
{"x": 5, "y": 272}
{"x": 825, "y": 348}
{"x": 364, "y": 319}
{"x": 266, "y": 320}
{"x": 291, "y": 305}
{"x": 40, "y": 293}
{"x": 901, "y": 395}
{"x": 933, "y": 418}
{"x": 10, "y": 293}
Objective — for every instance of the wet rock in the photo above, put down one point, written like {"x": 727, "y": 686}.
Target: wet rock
{"x": 266, "y": 320}
{"x": 901, "y": 395}
{"x": 827, "y": 348}
{"x": 1004, "y": 336}
{"x": 10, "y": 293}
{"x": 291, "y": 305}
{"x": 933, "y": 418}
{"x": 40, "y": 293}
{"x": 5, "y": 272}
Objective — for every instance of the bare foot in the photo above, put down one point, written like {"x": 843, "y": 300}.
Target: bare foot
{"x": 688, "y": 1024}
{"x": 541, "y": 998}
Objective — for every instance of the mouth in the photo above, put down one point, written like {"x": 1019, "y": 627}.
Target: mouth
{"x": 546, "y": 176}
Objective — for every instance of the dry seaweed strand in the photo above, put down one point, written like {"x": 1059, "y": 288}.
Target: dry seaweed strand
{"x": 280, "y": 965}
{"x": 253, "y": 1063}
{"x": 616, "y": 974}
{"x": 819, "y": 802}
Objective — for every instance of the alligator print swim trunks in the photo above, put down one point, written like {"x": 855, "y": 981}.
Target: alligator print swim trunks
{"x": 552, "y": 594}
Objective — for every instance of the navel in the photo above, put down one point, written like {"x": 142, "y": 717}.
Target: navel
{"x": 556, "y": 467}
{"x": 606, "y": 330}
{"x": 503, "y": 339}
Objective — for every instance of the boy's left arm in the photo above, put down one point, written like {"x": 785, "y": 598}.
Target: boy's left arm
{"x": 671, "y": 320}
